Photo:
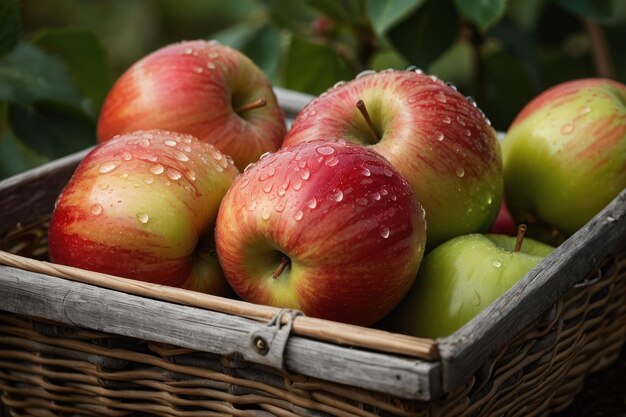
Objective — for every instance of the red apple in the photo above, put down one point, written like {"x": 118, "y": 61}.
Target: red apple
{"x": 504, "y": 223}
{"x": 329, "y": 228}
{"x": 203, "y": 88}
{"x": 143, "y": 205}
{"x": 435, "y": 136}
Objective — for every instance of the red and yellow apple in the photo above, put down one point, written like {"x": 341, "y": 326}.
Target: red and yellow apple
{"x": 326, "y": 227}
{"x": 143, "y": 205}
{"x": 565, "y": 156}
{"x": 436, "y": 137}
{"x": 202, "y": 88}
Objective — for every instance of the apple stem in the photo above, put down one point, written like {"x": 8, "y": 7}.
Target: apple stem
{"x": 256, "y": 104}
{"x": 281, "y": 267}
{"x": 361, "y": 106}
{"x": 521, "y": 231}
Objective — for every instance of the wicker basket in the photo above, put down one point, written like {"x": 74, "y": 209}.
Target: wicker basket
{"x": 74, "y": 342}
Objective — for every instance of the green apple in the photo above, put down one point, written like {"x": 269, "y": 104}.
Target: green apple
{"x": 565, "y": 156}
{"x": 459, "y": 278}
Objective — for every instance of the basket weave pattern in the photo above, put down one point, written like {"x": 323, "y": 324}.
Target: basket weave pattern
{"x": 52, "y": 369}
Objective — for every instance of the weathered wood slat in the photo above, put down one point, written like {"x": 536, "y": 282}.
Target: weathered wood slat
{"x": 471, "y": 345}
{"x": 116, "y": 312}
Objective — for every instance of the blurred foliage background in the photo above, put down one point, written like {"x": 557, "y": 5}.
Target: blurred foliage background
{"x": 59, "y": 58}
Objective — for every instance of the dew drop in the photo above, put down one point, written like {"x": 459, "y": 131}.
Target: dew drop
{"x": 126, "y": 156}
{"x": 264, "y": 155}
{"x": 143, "y": 218}
{"x": 148, "y": 180}
{"x": 460, "y": 172}
{"x": 305, "y": 174}
{"x": 388, "y": 172}
{"x": 214, "y": 55}
{"x": 312, "y": 203}
{"x": 170, "y": 142}
{"x": 446, "y": 120}
{"x": 339, "y": 84}
{"x": 181, "y": 156}
{"x": 268, "y": 187}
{"x": 496, "y": 264}
{"x": 173, "y": 174}
{"x": 584, "y": 110}
{"x": 148, "y": 136}
{"x": 297, "y": 184}
{"x": 96, "y": 209}
{"x": 325, "y": 150}
{"x": 298, "y": 216}
{"x": 384, "y": 191}
{"x": 152, "y": 158}
{"x": 188, "y": 51}
{"x": 124, "y": 175}
{"x": 187, "y": 148}
{"x": 210, "y": 65}
{"x": 366, "y": 181}
{"x": 265, "y": 215}
{"x": 191, "y": 175}
{"x": 366, "y": 172}
{"x": 440, "y": 97}
{"x": 365, "y": 73}
{"x": 475, "y": 298}
{"x": 460, "y": 120}
{"x": 489, "y": 200}
{"x": 376, "y": 196}
{"x": 107, "y": 167}
{"x": 198, "y": 70}
{"x": 384, "y": 232}
{"x": 251, "y": 205}
{"x": 244, "y": 182}
{"x": 468, "y": 132}
{"x": 157, "y": 169}
{"x": 567, "y": 128}
{"x": 279, "y": 208}
{"x": 331, "y": 162}
{"x": 337, "y": 195}
{"x": 440, "y": 136}
{"x": 248, "y": 167}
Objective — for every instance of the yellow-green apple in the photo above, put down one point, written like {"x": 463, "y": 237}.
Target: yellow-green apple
{"x": 326, "y": 227}
{"x": 202, "y": 88}
{"x": 565, "y": 156}
{"x": 143, "y": 205}
{"x": 435, "y": 136}
{"x": 459, "y": 278}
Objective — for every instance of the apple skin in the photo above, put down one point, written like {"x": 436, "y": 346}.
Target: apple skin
{"x": 349, "y": 223}
{"x": 143, "y": 205}
{"x": 437, "y": 138}
{"x": 193, "y": 87}
{"x": 459, "y": 278}
{"x": 504, "y": 223}
{"x": 565, "y": 156}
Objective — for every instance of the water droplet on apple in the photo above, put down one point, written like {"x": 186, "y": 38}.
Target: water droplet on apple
{"x": 152, "y": 158}
{"x": 187, "y": 148}
{"x": 460, "y": 120}
{"x": 148, "y": 180}
{"x": 305, "y": 173}
{"x": 434, "y": 78}
{"x": 198, "y": 70}
{"x": 248, "y": 167}
{"x": 181, "y": 156}
{"x": 126, "y": 156}
{"x": 489, "y": 200}
{"x": 331, "y": 162}
{"x": 362, "y": 201}
{"x": 440, "y": 97}
{"x": 365, "y": 73}
{"x": 475, "y": 298}
{"x": 567, "y": 128}
{"x": 393, "y": 197}
{"x": 280, "y": 207}
{"x": 173, "y": 174}
{"x": 440, "y": 136}
{"x": 312, "y": 203}
{"x": 297, "y": 184}
{"x": 383, "y": 191}
{"x": 366, "y": 172}
{"x": 376, "y": 196}
{"x": 385, "y": 232}
{"x": 338, "y": 84}
{"x": 143, "y": 218}
{"x": 388, "y": 172}
{"x": 472, "y": 101}
{"x": 145, "y": 143}
{"x": 265, "y": 214}
{"x": 210, "y": 65}
{"x": 268, "y": 187}
{"x": 446, "y": 120}
{"x": 460, "y": 172}
{"x": 325, "y": 150}
{"x": 452, "y": 86}
{"x": 96, "y": 209}
{"x": 584, "y": 110}
{"x": 124, "y": 175}
{"x": 148, "y": 136}
{"x": 298, "y": 216}
{"x": 157, "y": 169}
{"x": 468, "y": 132}
{"x": 188, "y": 51}
{"x": 213, "y": 55}
{"x": 311, "y": 113}
{"x": 366, "y": 181}
{"x": 264, "y": 155}
{"x": 170, "y": 142}
{"x": 191, "y": 175}
{"x": 107, "y": 167}
{"x": 337, "y": 195}
{"x": 496, "y": 263}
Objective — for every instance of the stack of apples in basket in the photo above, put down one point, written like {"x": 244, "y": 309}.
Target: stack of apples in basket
{"x": 383, "y": 202}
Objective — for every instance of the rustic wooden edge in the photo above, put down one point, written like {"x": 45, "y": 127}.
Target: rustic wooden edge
{"x": 464, "y": 351}
{"x": 111, "y": 311}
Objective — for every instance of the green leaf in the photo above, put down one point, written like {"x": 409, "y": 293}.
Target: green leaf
{"x": 388, "y": 59}
{"x": 85, "y": 57}
{"x": 601, "y": 10}
{"x": 52, "y": 129}
{"x": 456, "y": 65}
{"x": 427, "y": 33}
{"x": 289, "y": 14}
{"x": 15, "y": 156}
{"x": 313, "y": 67}
{"x": 386, "y": 14}
{"x": 348, "y": 11}
{"x": 526, "y": 12}
{"x": 484, "y": 13}
{"x": 28, "y": 75}
{"x": 10, "y": 26}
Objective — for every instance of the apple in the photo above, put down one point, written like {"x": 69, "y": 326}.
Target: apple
{"x": 436, "y": 137}
{"x": 504, "y": 223}
{"x": 564, "y": 156}
{"x": 202, "y": 88}
{"x": 459, "y": 278}
{"x": 143, "y": 205}
{"x": 326, "y": 227}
